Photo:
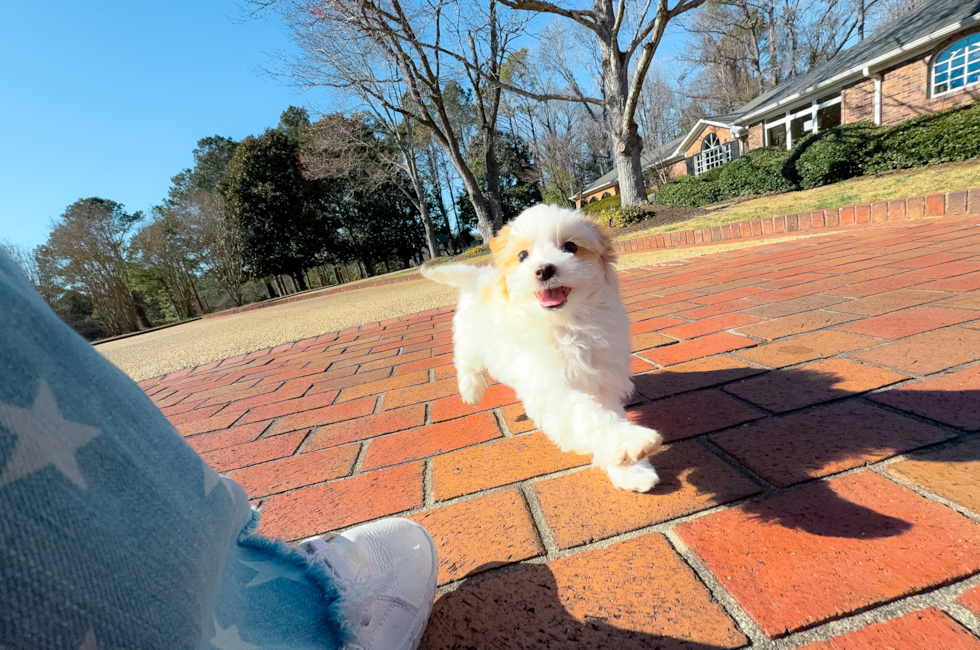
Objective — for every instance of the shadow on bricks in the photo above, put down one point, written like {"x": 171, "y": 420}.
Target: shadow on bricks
{"x": 535, "y": 607}
{"x": 791, "y": 427}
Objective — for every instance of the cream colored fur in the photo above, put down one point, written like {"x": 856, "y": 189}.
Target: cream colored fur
{"x": 570, "y": 365}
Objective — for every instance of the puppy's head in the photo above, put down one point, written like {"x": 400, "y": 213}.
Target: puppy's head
{"x": 553, "y": 257}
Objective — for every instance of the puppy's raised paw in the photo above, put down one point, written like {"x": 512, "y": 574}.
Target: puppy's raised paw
{"x": 640, "y": 477}
{"x": 636, "y": 443}
{"x": 471, "y": 387}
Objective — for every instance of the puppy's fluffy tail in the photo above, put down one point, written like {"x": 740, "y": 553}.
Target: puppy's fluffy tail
{"x": 463, "y": 276}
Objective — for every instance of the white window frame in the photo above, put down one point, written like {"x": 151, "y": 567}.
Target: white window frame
{"x": 707, "y": 159}
{"x": 788, "y": 117}
{"x": 971, "y": 57}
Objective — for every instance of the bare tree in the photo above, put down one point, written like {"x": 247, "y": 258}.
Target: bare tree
{"x": 219, "y": 241}
{"x": 741, "y": 48}
{"x": 402, "y": 56}
{"x": 570, "y": 140}
{"x": 339, "y": 146}
{"x": 25, "y": 259}
{"x": 88, "y": 246}
{"x": 161, "y": 248}
{"x": 622, "y": 77}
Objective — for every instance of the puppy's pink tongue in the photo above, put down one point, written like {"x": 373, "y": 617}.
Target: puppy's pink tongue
{"x": 552, "y": 297}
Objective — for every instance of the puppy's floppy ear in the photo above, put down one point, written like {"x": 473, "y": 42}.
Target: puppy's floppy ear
{"x": 499, "y": 242}
{"x": 497, "y": 246}
{"x": 606, "y": 250}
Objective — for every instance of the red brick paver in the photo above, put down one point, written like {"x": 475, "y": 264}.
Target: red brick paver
{"x": 783, "y": 558}
{"x": 769, "y": 370}
{"x": 928, "y": 628}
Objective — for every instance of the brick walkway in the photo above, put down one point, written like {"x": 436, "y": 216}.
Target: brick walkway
{"x": 821, "y": 487}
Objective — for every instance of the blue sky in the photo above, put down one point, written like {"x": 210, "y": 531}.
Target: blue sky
{"x": 109, "y": 98}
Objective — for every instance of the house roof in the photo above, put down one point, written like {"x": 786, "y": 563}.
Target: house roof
{"x": 894, "y": 41}
{"x": 655, "y": 156}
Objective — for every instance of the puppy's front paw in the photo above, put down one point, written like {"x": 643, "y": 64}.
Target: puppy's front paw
{"x": 640, "y": 477}
{"x": 471, "y": 386}
{"x": 636, "y": 443}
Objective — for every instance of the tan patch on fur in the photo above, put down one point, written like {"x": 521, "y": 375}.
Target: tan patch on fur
{"x": 606, "y": 251}
{"x": 499, "y": 242}
{"x": 505, "y": 251}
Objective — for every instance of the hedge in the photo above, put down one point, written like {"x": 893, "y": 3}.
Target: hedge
{"x": 756, "y": 172}
{"x": 608, "y": 203}
{"x": 945, "y": 136}
{"x": 831, "y": 156}
{"x": 835, "y": 155}
{"x": 691, "y": 191}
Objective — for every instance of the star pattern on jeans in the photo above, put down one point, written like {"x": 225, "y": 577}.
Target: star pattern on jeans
{"x": 269, "y": 570}
{"x": 89, "y": 642}
{"x": 227, "y": 638}
{"x": 44, "y": 437}
{"x": 212, "y": 478}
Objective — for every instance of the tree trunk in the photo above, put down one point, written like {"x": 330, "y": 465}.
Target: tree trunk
{"x": 493, "y": 180}
{"x": 624, "y": 135}
{"x": 268, "y": 287}
{"x": 430, "y": 229}
{"x": 299, "y": 280}
{"x": 141, "y": 313}
{"x": 860, "y": 20}
{"x": 632, "y": 187}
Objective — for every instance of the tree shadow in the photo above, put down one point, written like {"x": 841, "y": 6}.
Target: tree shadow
{"x": 527, "y": 608}
{"x": 792, "y": 427}
{"x": 592, "y": 605}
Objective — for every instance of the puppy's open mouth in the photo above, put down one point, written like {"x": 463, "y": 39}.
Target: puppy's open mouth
{"x": 553, "y": 298}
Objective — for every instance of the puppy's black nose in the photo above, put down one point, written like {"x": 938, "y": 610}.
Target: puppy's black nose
{"x": 545, "y": 273}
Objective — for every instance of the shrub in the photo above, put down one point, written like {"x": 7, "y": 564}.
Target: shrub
{"x": 608, "y": 203}
{"x": 833, "y": 155}
{"x": 757, "y": 172}
{"x": 946, "y": 136}
{"x": 621, "y": 217}
{"x": 690, "y": 191}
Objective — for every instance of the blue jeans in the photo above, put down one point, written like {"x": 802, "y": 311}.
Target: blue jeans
{"x": 113, "y": 532}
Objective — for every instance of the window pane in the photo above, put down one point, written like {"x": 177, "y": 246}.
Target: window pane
{"x": 829, "y": 117}
{"x": 973, "y": 78}
{"x": 973, "y": 67}
{"x": 827, "y": 98}
{"x": 956, "y": 83}
{"x": 798, "y": 127}
{"x": 777, "y": 136}
{"x": 941, "y": 88}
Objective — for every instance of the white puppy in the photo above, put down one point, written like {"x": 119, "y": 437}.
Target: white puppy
{"x": 547, "y": 320}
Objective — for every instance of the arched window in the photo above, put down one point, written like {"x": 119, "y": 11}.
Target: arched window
{"x": 606, "y": 195}
{"x": 593, "y": 199}
{"x": 710, "y": 142}
{"x": 958, "y": 66}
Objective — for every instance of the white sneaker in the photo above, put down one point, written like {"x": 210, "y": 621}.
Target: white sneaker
{"x": 387, "y": 572}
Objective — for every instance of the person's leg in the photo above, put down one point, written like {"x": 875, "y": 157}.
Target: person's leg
{"x": 114, "y": 533}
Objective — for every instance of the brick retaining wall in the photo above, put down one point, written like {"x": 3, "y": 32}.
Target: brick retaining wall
{"x": 918, "y": 207}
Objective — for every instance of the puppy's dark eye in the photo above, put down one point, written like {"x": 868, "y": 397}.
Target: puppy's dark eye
{"x": 569, "y": 247}
{"x": 522, "y": 256}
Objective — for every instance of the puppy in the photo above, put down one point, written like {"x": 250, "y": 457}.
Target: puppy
{"x": 547, "y": 320}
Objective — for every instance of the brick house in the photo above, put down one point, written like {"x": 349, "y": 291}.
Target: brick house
{"x": 924, "y": 61}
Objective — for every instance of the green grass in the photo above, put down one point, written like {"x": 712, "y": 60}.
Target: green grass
{"x": 898, "y": 184}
